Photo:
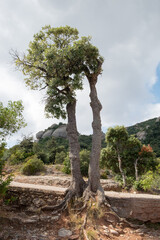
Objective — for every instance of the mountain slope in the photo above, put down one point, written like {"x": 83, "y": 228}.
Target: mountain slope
{"x": 148, "y": 132}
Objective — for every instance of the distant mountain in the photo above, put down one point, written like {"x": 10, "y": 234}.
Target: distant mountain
{"x": 148, "y": 132}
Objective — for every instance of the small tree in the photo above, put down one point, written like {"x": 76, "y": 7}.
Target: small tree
{"x": 117, "y": 138}
{"x": 129, "y": 152}
{"x": 48, "y": 64}
{"x": 11, "y": 120}
{"x": 133, "y": 148}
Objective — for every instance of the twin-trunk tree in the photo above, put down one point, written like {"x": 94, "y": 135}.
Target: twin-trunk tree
{"x": 57, "y": 60}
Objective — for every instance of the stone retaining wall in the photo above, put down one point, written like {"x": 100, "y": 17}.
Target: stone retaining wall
{"x": 33, "y": 199}
{"x": 144, "y": 207}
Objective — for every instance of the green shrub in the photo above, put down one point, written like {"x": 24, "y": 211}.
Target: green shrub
{"x": 67, "y": 166}
{"x": 84, "y": 163}
{"x": 17, "y": 157}
{"x": 146, "y": 181}
{"x": 33, "y": 166}
{"x": 43, "y": 156}
{"x": 3, "y": 183}
{"x": 59, "y": 158}
{"x": 156, "y": 182}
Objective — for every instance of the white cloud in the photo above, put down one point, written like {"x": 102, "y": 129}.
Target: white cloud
{"x": 126, "y": 32}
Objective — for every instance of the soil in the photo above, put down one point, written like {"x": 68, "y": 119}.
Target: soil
{"x": 18, "y": 224}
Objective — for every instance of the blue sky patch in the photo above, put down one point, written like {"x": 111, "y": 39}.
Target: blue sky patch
{"x": 156, "y": 87}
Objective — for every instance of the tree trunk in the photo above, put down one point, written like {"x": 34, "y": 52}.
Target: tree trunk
{"x": 94, "y": 175}
{"x": 77, "y": 183}
{"x": 136, "y": 168}
{"x": 121, "y": 170}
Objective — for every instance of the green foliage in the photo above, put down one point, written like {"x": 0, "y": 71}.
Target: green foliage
{"x": 49, "y": 63}
{"x": 11, "y": 119}
{"x": 151, "y": 128}
{"x": 17, "y": 157}
{"x": 84, "y": 163}
{"x": 117, "y": 137}
{"x": 59, "y": 158}
{"x": 18, "y": 153}
{"x": 3, "y": 183}
{"x": 130, "y": 149}
{"x": 149, "y": 181}
{"x": 47, "y": 148}
{"x": 33, "y": 166}
{"x": 146, "y": 181}
{"x": 67, "y": 166}
{"x": 108, "y": 159}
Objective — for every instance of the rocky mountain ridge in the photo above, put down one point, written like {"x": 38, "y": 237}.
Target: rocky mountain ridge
{"x": 148, "y": 132}
{"x": 54, "y": 130}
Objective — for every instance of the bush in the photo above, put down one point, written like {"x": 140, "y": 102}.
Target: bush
{"x": 33, "y": 166}
{"x": 3, "y": 183}
{"x": 84, "y": 163}
{"x": 146, "y": 181}
{"x": 67, "y": 166}
{"x": 59, "y": 158}
{"x": 17, "y": 157}
{"x": 43, "y": 156}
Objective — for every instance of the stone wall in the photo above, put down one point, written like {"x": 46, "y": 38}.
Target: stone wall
{"x": 33, "y": 199}
{"x": 144, "y": 207}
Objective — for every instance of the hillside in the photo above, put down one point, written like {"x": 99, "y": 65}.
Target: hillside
{"x": 148, "y": 132}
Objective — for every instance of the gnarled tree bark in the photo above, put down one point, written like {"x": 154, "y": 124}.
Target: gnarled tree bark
{"x": 120, "y": 169}
{"x": 94, "y": 175}
{"x": 77, "y": 183}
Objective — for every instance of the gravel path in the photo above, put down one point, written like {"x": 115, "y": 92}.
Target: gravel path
{"x": 61, "y": 190}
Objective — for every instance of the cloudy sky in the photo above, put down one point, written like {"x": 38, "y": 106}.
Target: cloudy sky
{"x": 128, "y": 37}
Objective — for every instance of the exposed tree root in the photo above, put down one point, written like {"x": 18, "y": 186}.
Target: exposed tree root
{"x": 70, "y": 194}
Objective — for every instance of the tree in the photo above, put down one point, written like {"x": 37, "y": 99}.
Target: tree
{"x": 133, "y": 148}
{"x": 48, "y": 64}
{"x": 58, "y": 60}
{"x": 117, "y": 138}
{"x": 146, "y": 160}
{"x": 133, "y": 158}
{"x": 90, "y": 62}
{"x": 11, "y": 120}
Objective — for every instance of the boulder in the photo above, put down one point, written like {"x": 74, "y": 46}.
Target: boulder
{"x": 53, "y": 126}
{"x": 60, "y": 132}
{"x": 64, "y": 233}
{"x": 110, "y": 185}
{"x": 39, "y": 134}
{"x": 48, "y": 133}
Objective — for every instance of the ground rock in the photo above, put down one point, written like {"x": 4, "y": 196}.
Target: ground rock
{"x": 64, "y": 233}
{"x": 114, "y": 232}
{"x": 110, "y": 185}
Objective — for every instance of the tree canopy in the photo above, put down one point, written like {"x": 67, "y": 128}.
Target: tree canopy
{"x": 11, "y": 118}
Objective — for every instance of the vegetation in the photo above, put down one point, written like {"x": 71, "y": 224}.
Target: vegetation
{"x": 57, "y": 59}
{"x": 84, "y": 163}
{"x": 33, "y": 166}
{"x": 126, "y": 156}
{"x": 11, "y": 120}
{"x": 148, "y": 133}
